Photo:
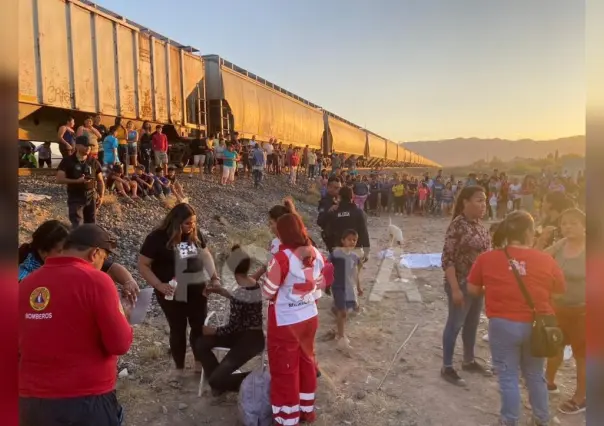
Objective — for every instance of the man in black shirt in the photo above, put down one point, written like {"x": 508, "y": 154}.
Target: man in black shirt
{"x": 327, "y": 203}
{"x": 199, "y": 147}
{"x": 347, "y": 216}
{"x": 102, "y": 129}
{"x": 85, "y": 186}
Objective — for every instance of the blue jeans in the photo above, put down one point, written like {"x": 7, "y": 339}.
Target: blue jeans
{"x": 410, "y": 203}
{"x": 510, "y": 349}
{"x": 466, "y": 317}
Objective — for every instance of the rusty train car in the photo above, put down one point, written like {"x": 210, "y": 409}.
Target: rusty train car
{"x": 77, "y": 58}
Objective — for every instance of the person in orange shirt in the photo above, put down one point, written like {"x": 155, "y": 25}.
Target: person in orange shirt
{"x": 510, "y": 317}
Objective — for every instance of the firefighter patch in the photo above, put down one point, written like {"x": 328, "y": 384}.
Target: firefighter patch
{"x": 39, "y": 299}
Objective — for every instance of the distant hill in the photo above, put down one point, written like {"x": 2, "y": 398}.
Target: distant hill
{"x": 465, "y": 151}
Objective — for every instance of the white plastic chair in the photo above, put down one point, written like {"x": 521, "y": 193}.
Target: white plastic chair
{"x": 220, "y": 353}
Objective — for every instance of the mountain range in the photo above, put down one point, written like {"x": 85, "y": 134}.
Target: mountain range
{"x": 465, "y": 151}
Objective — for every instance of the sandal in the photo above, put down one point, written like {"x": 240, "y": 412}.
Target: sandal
{"x": 571, "y": 407}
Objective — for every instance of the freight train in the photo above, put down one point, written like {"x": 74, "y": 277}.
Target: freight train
{"x": 77, "y": 58}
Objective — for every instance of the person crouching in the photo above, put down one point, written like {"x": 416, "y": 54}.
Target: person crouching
{"x": 292, "y": 277}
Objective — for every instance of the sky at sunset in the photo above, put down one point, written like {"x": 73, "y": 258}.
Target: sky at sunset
{"x": 405, "y": 69}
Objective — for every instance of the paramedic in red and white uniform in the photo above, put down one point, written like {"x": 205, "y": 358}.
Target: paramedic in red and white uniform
{"x": 292, "y": 277}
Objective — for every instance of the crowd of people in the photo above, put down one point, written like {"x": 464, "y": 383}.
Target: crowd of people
{"x": 402, "y": 193}
{"x": 517, "y": 270}
{"x": 174, "y": 258}
{"x": 532, "y": 282}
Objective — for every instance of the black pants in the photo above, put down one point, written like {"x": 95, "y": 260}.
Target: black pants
{"x": 311, "y": 170}
{"x": 82, "y": 211}
{"x": 122, "y": 153}
{"x": 141, "y": 191}
{"x": 399, "y": 204}
{"x": 145, "y": 159}
{"x": 178, "y": 313}
{"x": 99, "y": 410}
{"x": 244, "y": 346}
{"x": 43, "y": 161}
{"x": 257, "y": 174}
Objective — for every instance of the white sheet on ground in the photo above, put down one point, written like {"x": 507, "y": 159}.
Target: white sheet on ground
{"x": 28, "y": 197}
{"x": 421, "y": 260}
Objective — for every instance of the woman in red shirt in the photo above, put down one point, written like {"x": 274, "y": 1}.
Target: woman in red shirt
{"x": 294, "y": 163}
{"x": 510, "y": 317}
{"x": 293, "y": 276}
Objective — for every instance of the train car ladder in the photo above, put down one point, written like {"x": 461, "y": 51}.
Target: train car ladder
{"x": 225, "y": 121}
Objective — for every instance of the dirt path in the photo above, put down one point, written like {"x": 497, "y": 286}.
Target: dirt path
{"x": 413, "y": 392}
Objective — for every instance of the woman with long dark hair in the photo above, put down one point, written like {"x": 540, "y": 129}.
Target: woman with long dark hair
{"x": 290, "y": 284}
{"x": 501, "y": 274}
{"x": 176, "y": 262}
{"x": 146, "y": 148}
{"x": 46, "y": 241}
{"x": 465, "y": 239}
{"x": 570, "y": 309}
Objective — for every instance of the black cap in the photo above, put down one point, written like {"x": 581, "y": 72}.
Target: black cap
{"x": 82, "y": 140}
{"x": 92, "y": 235}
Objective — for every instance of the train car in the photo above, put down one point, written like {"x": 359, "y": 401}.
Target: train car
{"x": 376, "y": 148}
{"x": 77, "y": 58}
{"x": 406, "y": 156}
{"x": 391, "y": 152}
{"x": 344, "y": 136}
{"x": 241, "y": 101}
{"x": 401, "y": 155}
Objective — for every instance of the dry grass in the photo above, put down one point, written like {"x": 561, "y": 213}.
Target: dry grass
{"x": 109, "y": 199}
{"x": 311, "y": 197}
{"x": 306, "y": 218}
{"x": 151, "y": 353}
{"x": 130, "y": 392}
{"x": 259, "y": 236}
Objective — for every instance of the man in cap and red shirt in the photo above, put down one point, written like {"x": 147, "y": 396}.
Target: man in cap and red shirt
{"x": 72, "y": 328}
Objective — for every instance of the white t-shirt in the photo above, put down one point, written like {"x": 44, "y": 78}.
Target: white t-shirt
{"x": 268, "y": 147}
{"x": 219, "y": 151}
{"x": 515, "y": 190}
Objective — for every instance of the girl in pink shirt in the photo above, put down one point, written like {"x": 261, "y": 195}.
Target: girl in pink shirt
{"x": 422, "y": 193}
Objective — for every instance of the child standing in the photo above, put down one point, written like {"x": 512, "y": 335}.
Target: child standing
{"x": 110, "y": 144}
{"x": 346, "y": 264}
{"x": 294, "y": 163}
{"x": 422, "y": 194}
{"x": 398, "y": 190}
{"x": 493, "y": 204}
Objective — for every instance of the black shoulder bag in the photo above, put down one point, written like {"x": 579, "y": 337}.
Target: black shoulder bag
{"x": 547, "y": 339}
